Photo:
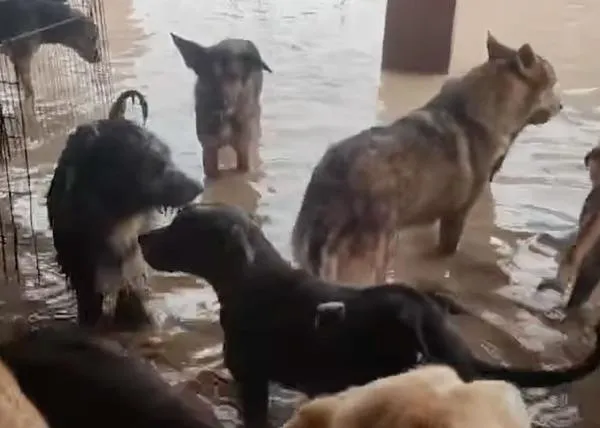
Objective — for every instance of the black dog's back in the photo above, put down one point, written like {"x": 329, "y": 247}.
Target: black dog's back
{"x": 77, "y": 382}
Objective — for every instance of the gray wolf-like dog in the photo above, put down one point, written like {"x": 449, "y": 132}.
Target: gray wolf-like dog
{"x": 283, "y": 325}
{"x": 426, "y": 166}
{"x": 25, "y": 25}
{"x": 111, "y": 177}
{"x": 229, "y": 80}
{"x": 579, "y": 266}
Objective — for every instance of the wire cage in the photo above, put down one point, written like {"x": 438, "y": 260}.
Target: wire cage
{"x": 68, "y": 90}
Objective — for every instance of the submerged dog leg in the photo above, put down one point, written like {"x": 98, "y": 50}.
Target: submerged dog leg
{"x": 451, "y": 229}
{"x": 23, "y": 70}
{"x": 210, "y": 161}
{"x": 254, "y": 396}
{"x": 242, "y": 151}
{"x": 381, "y": 259}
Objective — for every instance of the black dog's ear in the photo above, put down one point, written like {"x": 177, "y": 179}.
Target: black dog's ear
{"x": 195, "y": 56}
{"x": 240, "y": 238}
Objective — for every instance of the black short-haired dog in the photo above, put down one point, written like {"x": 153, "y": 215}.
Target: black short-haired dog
{"x": 229, "y": 80}
{"x": 282, "y": 324}
{"x": 25, "y": 25}
{"x": 78, "y": 381}
{"x": 110, "y": 177}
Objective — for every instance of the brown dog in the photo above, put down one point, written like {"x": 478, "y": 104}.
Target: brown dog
{"x": 580, "y": 264}
{"x": 429, "y": 165}
{"x": 431, "y": 396}
{"x": 16, "y": 411}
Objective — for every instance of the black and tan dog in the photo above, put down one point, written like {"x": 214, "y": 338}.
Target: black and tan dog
{"x": 111, "y": 176}
{"x": 429, "y": 165}
{"x": 284, "y": 325}
{"x": 26, "y": 25}
{"x": 76, "y": 380}
{"x": 229, "y": 80}
{"x": 579, "y": 266}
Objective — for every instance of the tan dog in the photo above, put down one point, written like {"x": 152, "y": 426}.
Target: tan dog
{"x": 429, "y": 165}
{"x": 579, "y": 266}
{"x": 16, "y": 411}
{"x": 431, "y": 396}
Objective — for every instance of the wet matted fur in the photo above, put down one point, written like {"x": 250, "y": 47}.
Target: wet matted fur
{"x": 579, "y": 266}
{"x": 16, "y": 411}
{"x": 111, "y": 176}
{"x": 26, "y": 25}
{"x": 431, "y": 396}
{"x": 78, "y": 381}
{"x": 229, "y": 80}
{"x": 285, "y": 325}
{"x": 426, "y": 166}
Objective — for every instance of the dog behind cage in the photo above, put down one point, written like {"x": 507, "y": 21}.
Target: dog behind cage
{"x": 54, "y": 74}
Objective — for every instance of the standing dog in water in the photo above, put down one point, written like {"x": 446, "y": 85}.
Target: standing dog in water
{"x": 229, "y": 80}
{"x": 111, "y": 176}
{"x": 429, "y": 165}
{"x": 26, "y": 25}
{"x": 580, "y": 264}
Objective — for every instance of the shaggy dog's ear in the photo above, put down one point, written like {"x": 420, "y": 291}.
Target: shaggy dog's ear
{"x": 240, "y": 239}
{"x": 314, "y": 414}
{"x": 497, "y": 50}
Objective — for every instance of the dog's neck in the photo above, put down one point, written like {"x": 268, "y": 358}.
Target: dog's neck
{"x": 267, "y": 266}
{"x": 58, "y": 17}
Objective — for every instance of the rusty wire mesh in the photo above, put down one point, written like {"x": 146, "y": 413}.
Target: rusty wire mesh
{"x": 68, "y": 91}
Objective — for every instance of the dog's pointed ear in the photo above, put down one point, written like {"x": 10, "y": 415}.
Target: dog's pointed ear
{"x": 525, "y": 58}
{"x": 240, "y": 238}
{"x": 255, "y": 61}
{"x": 194, "y": 55}
{"x": 497, "y": 50}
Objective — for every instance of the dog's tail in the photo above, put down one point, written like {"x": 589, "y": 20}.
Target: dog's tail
{"x": 117, "y": 110}
{"x": 542, "y": 378}
{"x": 309, "y": 238}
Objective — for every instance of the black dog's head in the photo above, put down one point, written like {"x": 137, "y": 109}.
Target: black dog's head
{"x": 227, "y": 66}
{"x": 81, "y": 34}
{"x": 112, "y": 169}
{"x": 215, "y": 242}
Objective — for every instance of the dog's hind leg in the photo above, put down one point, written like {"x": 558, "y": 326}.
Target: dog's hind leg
{"x": 210, "y": 161}
{"x": 451, "y": 229}
{"x": 23, "y": 71}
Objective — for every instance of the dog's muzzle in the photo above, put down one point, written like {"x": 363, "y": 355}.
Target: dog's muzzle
{"x": 329, "y": 313}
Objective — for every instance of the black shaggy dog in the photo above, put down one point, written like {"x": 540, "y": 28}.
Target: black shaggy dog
{"x": 110, "y": 177}
{"x": 282, "y": 324}
{"x": 77, "y": 381}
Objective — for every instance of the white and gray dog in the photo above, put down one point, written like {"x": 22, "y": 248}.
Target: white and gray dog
{"x": 111, "y": 176}
{"x": 229, "y": 80}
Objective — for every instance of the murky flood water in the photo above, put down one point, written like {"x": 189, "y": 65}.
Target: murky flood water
{"x": 327, "y": 85}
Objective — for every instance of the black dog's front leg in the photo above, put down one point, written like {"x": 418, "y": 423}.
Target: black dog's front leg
{"x": 254, "y": 397}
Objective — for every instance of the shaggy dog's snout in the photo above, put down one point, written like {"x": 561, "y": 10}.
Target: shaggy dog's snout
{"x": 176, "y": 189}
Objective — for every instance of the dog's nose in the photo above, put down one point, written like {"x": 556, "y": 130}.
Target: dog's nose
{"x": 560, "y": 106}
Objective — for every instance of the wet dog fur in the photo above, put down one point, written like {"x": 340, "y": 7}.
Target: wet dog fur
{"x": 430, "y": 396}
{"x": 23, "y": 29}
{"x": 76, "y": 381}
{"x": 579, "y": 266}
{"x": 229, "y": 81}
{"x": 16, "y": 410}
{"x": 426, "y": 166}
{"x": 285, "y": 325}
{"x": 110, "y": 178}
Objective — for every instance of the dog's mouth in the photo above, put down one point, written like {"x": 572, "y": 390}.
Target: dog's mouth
{"x": 540, "y": 117}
